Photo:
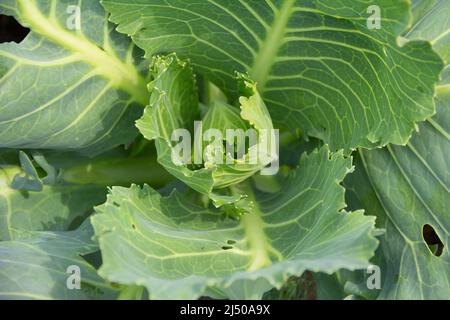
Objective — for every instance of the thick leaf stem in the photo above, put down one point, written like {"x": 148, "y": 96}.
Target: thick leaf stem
{"x": 269, "y": 49}
{"x": 119, "y": 172}
{"x": 259, "y": 245}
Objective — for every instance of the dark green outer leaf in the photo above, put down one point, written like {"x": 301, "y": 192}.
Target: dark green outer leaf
{"x": 68, "y": 89}
{"x": 408, "y": 187}
{"x": 316, "y": 63}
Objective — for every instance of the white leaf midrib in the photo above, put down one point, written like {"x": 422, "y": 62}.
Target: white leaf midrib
{"x": 259, "y": 246}
{"x": 120, "y": 74}
{"x": 268, "y": 52}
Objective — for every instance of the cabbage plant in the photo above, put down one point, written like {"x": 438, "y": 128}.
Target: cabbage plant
{"x": 245, "y": 149}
